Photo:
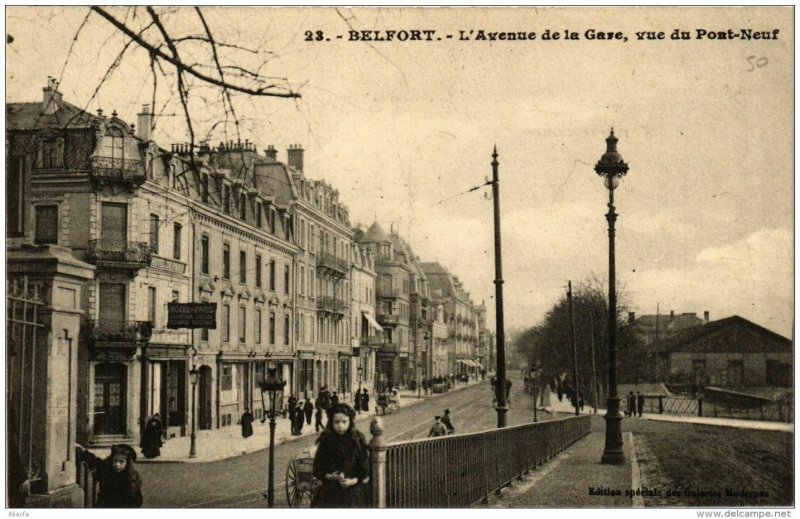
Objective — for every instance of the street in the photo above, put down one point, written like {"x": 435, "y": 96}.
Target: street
{"x": 241, "y": 482}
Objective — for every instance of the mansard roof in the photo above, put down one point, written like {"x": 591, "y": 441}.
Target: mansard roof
{"x": 375, "y": 234}
{"x": 29, "y": 116}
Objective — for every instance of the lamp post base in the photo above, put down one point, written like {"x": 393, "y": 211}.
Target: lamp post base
{"x": 501, "y": 415}
{"x": 613, "y": 453}
{"x": 192, "y": 448}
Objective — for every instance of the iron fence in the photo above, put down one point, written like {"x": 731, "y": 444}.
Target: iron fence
{"x": 778, "y": 411}
{"x": 86, "y": 476}
{"x": 459, "y": 471}
{"x": 660, "y": 404}
{"x": 136, "y": 253}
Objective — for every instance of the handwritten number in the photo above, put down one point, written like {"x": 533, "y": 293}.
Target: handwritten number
{"x": 756, "y": 62}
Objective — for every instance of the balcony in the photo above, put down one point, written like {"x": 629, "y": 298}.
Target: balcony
{"x": 108, "y": 170}
{"x": 168, "y": 265}
{"x": 331, "y": 304}
{"x": 332, "y": 263}
{"x": 374, "y": 342}
{"x": 116, "y": 333}
{"x": 388, "y": 318}
{"x": 119, "y": 254}
{"x": 390, "y": 292}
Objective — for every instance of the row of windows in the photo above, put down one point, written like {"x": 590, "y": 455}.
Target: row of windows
{"x": 243, "y": 270}
{"x": 258, "y": 323}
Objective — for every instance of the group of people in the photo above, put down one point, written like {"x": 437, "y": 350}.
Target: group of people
{"x": 361, "y": 401}
{"x": 635, "y": 403}
{"x": 299, "y": 412}
{"x": 442, "y": 426}
{"x": 495, "y": 388}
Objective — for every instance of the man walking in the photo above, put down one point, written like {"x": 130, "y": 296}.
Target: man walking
{"x": 438, "y": 428}
{"x": 640, "y": 402}
{"x": 447, "y": 423}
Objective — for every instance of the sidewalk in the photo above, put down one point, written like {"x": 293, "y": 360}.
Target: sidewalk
{"x": 575, "y": 478}
{"x": 723, "y": 422}
{"x": 220, "y": 444}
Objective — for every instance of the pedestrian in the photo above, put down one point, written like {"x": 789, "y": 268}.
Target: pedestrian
{"x": 334, "y": 399}
{"x": 298, "y": 419}
{"x": 580, "y": 403}
{"x": 438, "y": 428}
{"x": 120, "y": 484}
{"x": 318, "y": 425}
{"x": 447, "y": 423}
{"x": 308, "y": 409}
{"x": 640, "y": 402}
{"x": 508, "y": 391}
{"x": 357, "y": 401}
{"x": 292, "y": 403}
{"x": 341, "y": 462}
{"x": 631, "y": 404}
{"x": 365, "y": 400}
{"x": 247, "y": 423}
{"x": 151, "y": 437}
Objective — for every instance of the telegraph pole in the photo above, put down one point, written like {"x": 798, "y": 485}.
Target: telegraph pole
{"x": 500, "y": 388}
{"x": 574, "y": 349}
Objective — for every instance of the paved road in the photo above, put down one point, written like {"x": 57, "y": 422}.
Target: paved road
{"x": 241, "y": 482}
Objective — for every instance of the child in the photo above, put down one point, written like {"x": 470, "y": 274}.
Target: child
{"x": 120, "y": 484}
{"x": 341, "y": 462}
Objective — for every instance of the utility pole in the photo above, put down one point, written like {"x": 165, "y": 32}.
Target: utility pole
{"x": 594, "y": 368}
{"x": 574, "y": 349}
{"x": 500, "y": 388}
{"x": 655, "y": 346}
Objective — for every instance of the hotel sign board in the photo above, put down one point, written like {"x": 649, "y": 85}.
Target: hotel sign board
{"x": 192, "y": 315}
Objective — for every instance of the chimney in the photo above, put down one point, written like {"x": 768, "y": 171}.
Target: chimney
{"x": 51, "y": 102}
{"x": 631, "y": 317}
{"x": 705, "y": 316}
{"x": 145, "y": 123}
{"x": 294, "y": 157}
{"x": 672, "y": 315}
{"x": 271, "y": 152}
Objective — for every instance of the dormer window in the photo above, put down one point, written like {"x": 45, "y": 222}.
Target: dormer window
{"x": 114, "y": 144}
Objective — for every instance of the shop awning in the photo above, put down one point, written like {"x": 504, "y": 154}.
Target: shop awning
{"x": 372, "y": 321}
{"x": 478, "y": 364}
{"x": 465, "y": 362}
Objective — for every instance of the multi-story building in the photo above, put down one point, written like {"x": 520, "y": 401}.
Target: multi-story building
{"x": 323, "y": 266}
{"x": 367, "y": 332}
{"x": 419, "y": 320}
{"x": 392, "y": 265}
{"x": 447, "y": 290}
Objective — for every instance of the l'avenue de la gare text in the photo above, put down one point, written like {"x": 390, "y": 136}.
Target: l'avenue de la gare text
{"x": 403, "y": 35}
{"x": 740, "y": 493}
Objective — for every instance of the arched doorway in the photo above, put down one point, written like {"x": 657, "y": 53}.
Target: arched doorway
{"x": 204, "y": 398}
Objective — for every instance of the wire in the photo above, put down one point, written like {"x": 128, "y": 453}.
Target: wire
{"x": 470, "y": 190}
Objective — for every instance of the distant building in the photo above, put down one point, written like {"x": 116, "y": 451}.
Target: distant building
{"x": 732, "y": 352}
{"x": 651, "y": 328}
{"x": 367, "y": 332}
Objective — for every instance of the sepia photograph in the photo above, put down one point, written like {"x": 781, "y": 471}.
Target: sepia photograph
{"x": 485, "y": 258}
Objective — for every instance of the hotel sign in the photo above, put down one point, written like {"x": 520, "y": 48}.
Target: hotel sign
{"x": 192, "y": 315}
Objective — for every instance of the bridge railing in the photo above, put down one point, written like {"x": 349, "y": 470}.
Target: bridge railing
{"x": 461, "y": 470}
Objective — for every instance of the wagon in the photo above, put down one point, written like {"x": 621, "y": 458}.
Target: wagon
{"x": 300, "y": 480}
{"x": 387, "y": 404}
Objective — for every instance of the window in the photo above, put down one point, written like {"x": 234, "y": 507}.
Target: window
{"x": 258, "y": 326}
{"x": 154, "y": 223}
{"x": 243, "y": 206}
{"x": 311, "y": 281}
{"x": 311, "y": 237}
{"x": 226, "y": 380}
{"x": 272, "y": 220}
{"x": 258, "y": 270}
{"x": 204, "y": 254}
{"x": 151, "y": 304}
{"x": 272, "y": 275}
{"x": 242, "y": 324}
{"x": 226, "y": 261}
{"x": 204, "y": 188}
{"x": 272, "y": 327}
{"x": 53, "y": 153}
{"x": 287, "y": 227}
{"x": 302, "y": 280}
{"x": 114, "y": 143}
{"x": 286, "y": 279}
{"x": 204, "y": 334}
{"x": 226, "y": 199}
{"x": 286, "y": 329}
{"x": 258, "y": 214}
{"x": 176, "y": 242}
{"x": 242, "y": 267}
{"x": 46, "y": 224}
{"x": 15, "y": 196}
{"x": 226, "y": 323}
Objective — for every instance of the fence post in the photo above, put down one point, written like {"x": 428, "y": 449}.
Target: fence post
{"x": 700, "y": 406}
{"x": 660, "y": 404}
{"x": 377, "y": 456}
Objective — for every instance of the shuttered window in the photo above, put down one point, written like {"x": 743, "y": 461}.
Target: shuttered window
{"x": 112, "y": 302}
{"x": 46, "y": 224}
{"x": 114, "y": 223}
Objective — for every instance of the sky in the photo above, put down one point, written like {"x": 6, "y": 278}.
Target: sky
{"x": 401, "y": 128}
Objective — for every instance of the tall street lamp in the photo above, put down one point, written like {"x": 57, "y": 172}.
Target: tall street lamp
{"x": 273, "y": 387}
{"x": 500, "y": 388}
{"x": 612, "y": 168}
{"x": 193, "y": 375}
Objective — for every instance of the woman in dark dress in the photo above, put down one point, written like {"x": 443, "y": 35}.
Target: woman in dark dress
{"x": 151, "y": 438}
{"x": 247, "y": 424}
{"x": 341, "y": 462}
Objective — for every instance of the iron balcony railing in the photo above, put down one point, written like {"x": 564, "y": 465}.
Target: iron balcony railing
{"x": 110, "y": 170}
{"x": 110, "y": 330}
{"x": 332, "y": 262}
{"x": 371, "y": 341}
{"x": 461, "y": 470}
{"x": 388, "y": 318}
{"x": 119, "y": 253}
{"x": 331, "y": 304}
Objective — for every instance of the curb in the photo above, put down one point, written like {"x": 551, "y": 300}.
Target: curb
{"x": 636, "y": 479}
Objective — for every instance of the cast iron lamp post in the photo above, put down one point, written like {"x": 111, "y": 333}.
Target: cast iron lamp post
{"x": 612, "y": 168}
{"x": 273, "y": 387}
{"x": 360, "y": 372}
{"x": 193, "y": 375}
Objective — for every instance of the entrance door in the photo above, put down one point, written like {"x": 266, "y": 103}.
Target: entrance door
{"x": 109, "y": 399}
{"x": 204, "y": 398}
{"x": 174, "y": 394}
